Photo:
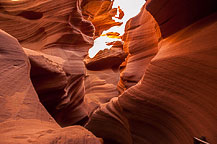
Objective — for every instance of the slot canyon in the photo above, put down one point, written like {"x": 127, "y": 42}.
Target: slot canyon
{"x": 155, "y": 83}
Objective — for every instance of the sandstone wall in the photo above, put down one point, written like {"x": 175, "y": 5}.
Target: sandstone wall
{"x": 56, "y": 36}
{"x": 23, "y": 119}
{"x": 100, "y": 13}
{"x": 141, "y": 43}
{"x": 168, "y": 81}
{"x": 175, "y": 99}
{"x": 175, "y": 15}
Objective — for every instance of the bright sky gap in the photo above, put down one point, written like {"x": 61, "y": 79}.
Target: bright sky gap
{"x": 131, "y": 8}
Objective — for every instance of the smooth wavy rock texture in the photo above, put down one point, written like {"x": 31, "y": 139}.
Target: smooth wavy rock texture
{"x": 105, "y": 59}
{"x": 56, "y": 90}
{"x": 175, "y": 100}
{"x": 167, "y": 82}
{"x": 60, "y": 37}
{"x": 100, "y": 87}
{"x": 56, "y": 36}
{"x": 141, "y": 43}
{"x": 103, "y": 75}
{"x": 23, "y": 119}
{"x": 100, "y": 13}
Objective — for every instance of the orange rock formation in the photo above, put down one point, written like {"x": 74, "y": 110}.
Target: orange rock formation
{"x": 175, "y": 100}
{"x": 23, "y": 119}
{"x": 167, "y": 82}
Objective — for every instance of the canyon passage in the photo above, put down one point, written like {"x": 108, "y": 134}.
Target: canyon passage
{"x": 108, "y": 71}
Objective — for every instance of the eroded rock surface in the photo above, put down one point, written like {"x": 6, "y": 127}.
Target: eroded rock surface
{"x": 23, "y": 119}
{"x": 103, "y": 75}
{"x": 56, "y": 36}
{"x": 141, "y": 43}
{"x": 175, "y": 15}
{"x": 60, "y": 38}
{"x": 175, "y": 100}
{"x": 100, "y": 13}
{"x": 18, "y": 97}
{"x": 107, "y": 58}
{"x": 100, "y": 87}
{"x": 168, "y": 81}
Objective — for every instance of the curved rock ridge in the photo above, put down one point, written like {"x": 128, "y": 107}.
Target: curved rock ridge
{"x": 105, "y": 59}
{"x": 60, "y": 22}
{"x": 100, "y": 13}
{"x": 23, "y": 119}
{"x": 56, "y": 37}
{"x": 141, "y": 43}
{"x": 103, "y": 75}
{"x": 60, "y": 37}
{"x": 168, "y": 81}
{"x": 18, "y": 97}
{"x": 100, "y": 87}
{"x": 56, "y": 90}
{"x": 175, "y": 100}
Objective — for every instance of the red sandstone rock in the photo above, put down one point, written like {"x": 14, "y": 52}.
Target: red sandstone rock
{"x": 108, "y": 58}
{"x": 116, "y": 44}
{"x": 103, "y": 75}
{"x": 60, "y": 23}
{"x": 175, "y": 15}
{"x": 100, "y": 13}
{"x": 100, "y": 87}
{"x": 36, "y": 131}
{"x": 56, "y": 90}
{"x": 61, "y": 36}
{"x": 18, "y": 97}
{"x": 141, "y": 43}
{"x": 175, "y": 100}
{"x": 23, "y": 119}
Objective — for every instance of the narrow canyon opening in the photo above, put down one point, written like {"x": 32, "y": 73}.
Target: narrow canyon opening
{"x": 124, "y": 11}
{"x": 106, "y": 58}
{"x": 108, "y": 71}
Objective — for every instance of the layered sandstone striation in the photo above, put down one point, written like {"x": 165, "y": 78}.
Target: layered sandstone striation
{"x": 168, "y": 80}
{"x": 141, "y": 43}
{"x": 56, "y": 36}
{"x": 103, "y": 75}
{"x": 100, "y": 13}
{"x": 107, "y": 58}
{"x": 23, "y": 119}
{"x": 100, "y": 87}
{"x": 175, "y": 100}
{"x": 59, "y": 40}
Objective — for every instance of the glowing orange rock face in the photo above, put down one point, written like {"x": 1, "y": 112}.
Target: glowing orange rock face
{"x": 56, "y": 36}
{"x": 100, "y": 13}
{"x": 169, "y": 82}
{"x": 108, "y": 58}
{"x": 124, "y": 12}
{"x": 112, "y": 35}
{"x": 121, "y": 13}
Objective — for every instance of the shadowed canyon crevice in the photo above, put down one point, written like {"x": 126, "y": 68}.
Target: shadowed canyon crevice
{"x": 157, "y": 85}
